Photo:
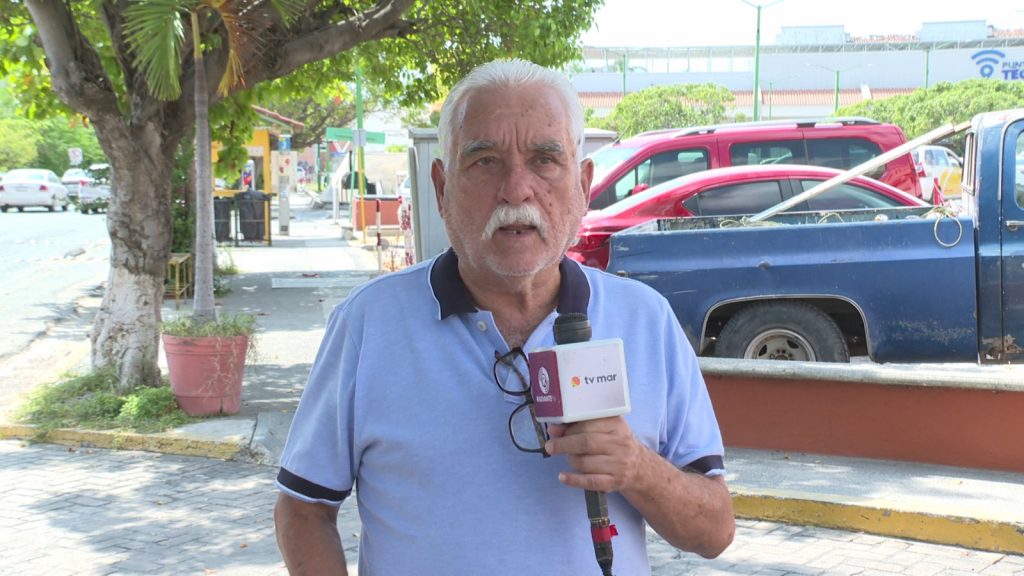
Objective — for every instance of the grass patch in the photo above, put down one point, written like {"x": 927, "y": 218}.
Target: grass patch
{"x": 223, "y": 268}
{"x": 91, "y": 401}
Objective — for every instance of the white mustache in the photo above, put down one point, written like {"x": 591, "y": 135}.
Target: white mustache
{"x": 521, "y": 215}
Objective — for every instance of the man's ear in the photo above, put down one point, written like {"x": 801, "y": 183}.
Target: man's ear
{"x": 586, "y": 178}
{"x": 437, "y": 176}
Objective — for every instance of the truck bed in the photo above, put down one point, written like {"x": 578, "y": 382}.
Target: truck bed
{"x": 895, "y": 267}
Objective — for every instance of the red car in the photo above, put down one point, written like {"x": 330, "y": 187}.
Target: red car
{"x": 737, "y": 190}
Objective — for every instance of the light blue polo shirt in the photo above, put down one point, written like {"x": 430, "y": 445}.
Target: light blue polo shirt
{"x": 401, "y": 405}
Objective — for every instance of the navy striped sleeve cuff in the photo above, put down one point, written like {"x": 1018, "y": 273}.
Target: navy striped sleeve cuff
{"x": 311, "y": 490}
{"x": 708, "y": 465}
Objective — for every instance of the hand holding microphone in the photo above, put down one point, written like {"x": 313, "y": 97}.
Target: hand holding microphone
{"x": 584, "y": 382}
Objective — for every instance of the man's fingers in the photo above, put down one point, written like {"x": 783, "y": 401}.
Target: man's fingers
{"x": 594, "y": 482}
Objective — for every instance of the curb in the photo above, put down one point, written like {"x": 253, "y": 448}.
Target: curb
{"x": 116, "y": 440}
{"x": 882, "y": 519}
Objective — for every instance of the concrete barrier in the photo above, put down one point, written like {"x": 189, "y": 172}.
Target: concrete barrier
{"x": 950, "y": 414}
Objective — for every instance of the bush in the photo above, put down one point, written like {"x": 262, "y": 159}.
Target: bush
{"x": 91, "y": 401}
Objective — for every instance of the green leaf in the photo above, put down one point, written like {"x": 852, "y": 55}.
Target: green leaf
{"x": 156, "y": 33}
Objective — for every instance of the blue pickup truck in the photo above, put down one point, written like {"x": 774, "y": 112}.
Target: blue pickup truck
{"x": 897, "y": 285}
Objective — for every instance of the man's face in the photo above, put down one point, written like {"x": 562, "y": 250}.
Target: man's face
{"x": 514, "y": 192}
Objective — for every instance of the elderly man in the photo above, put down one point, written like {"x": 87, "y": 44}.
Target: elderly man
{"x": 402, "y": 405}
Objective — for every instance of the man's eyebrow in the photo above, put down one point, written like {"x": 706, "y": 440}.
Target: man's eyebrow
{"x": 474, "y": 146}
{"x": 550, "y": 147}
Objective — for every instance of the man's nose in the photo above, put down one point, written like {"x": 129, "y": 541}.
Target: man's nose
{"x": 518, "y": 183}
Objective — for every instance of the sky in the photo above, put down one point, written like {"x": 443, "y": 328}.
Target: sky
{"x": 659, "y": 23}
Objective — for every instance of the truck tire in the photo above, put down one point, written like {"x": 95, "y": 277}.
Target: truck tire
{"x": 782, "y": 331}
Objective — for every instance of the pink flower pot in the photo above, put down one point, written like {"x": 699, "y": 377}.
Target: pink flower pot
{"x": 206, "y": 373}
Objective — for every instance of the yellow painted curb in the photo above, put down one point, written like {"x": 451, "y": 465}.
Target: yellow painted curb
{"x": 163, "y": 443}
{"x": 990, "y": 535}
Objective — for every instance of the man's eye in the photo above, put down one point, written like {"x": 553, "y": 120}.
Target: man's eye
{"x": 485, "y": 161}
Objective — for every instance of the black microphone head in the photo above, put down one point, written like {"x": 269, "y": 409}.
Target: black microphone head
{"x": 572, "y": 327}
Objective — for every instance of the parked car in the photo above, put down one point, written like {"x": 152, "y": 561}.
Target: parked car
{"x": 74, "y": 179}
{"x": 28, "y": 187}
{"x": 939, "y": 171}
{"x": 633, "y": 165}
{"x": 737, "y": 190}
{"x": 94, "y": 196}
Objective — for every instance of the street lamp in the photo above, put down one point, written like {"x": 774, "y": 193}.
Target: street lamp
{"x": 757, "y": 57}
{"x": 836, "y": 71}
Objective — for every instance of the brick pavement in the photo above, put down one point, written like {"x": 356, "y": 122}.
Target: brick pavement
{"x": 99, "y": 512}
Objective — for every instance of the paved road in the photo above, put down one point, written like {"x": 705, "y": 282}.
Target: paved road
{"x": 98, "y": 512}
{"x": 48, "y": 261}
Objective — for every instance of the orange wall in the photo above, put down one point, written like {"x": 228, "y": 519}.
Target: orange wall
{"x": 951, "y": 426}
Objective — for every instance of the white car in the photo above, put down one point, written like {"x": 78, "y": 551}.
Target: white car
{"x": 27, "y": 187}
{"x": 94, "y": 195}
{"x": 937, "y": 168}
{"x": 74, "y": 179}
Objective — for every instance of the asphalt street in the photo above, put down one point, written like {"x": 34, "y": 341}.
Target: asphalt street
{"x": 48, "y": 260}
{"x": 93, "y": 512}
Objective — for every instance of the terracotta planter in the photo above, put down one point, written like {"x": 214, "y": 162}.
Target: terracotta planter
{"x": 206, "y": 373}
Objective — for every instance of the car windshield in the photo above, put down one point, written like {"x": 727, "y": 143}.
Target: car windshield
{"x": 608, "y": 158}
{"x": 26, "y": 175}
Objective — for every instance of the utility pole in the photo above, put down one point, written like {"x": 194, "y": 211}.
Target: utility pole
{"x": 361, "y": 160}
{"x": 757, "y": 57}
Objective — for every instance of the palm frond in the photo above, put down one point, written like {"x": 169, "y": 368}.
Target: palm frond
{"x": 156, "y": 35}
{"x": 289, "y": 9}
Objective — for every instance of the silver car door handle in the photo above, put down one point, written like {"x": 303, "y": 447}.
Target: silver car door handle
{"x": 1013, "y": 225}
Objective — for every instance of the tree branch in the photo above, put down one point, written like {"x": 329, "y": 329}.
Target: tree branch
{"x": 76, "y": 73}
{"x": 384, "y": 20}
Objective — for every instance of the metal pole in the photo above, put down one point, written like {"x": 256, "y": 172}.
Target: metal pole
{"x": 625, "y": 64}
{"x": 881, "y": 159}
{"x": 835, "y": 109}
{"x": 927, "y": 62}
{"x": 757, "y": 68}
{"x": 362, "y": 173}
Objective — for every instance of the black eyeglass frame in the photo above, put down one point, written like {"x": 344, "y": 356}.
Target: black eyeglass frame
{"x": 509, "y": 359}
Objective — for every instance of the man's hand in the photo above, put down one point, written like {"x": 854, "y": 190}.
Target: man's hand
{"x": 603, "y": 451}
{"x": 689, "y": 510}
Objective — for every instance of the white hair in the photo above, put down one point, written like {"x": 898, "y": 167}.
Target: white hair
{"x": 508, "y": 74}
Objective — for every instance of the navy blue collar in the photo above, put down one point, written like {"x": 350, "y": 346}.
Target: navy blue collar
{"x": 453, "y": 297}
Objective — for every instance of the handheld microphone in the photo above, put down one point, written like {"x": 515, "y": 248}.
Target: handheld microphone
{"x": 572, "y": 328}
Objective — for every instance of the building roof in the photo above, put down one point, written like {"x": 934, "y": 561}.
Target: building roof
{"x": 744, "y": 99}
{"x": 279, "y": 119}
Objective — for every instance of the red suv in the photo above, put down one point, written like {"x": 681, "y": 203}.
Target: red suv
{"x": 630, "y": 166}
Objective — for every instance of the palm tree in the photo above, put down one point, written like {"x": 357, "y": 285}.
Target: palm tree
{"x": 155, "y": 31}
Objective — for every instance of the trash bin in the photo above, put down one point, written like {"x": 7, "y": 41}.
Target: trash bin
{"x": 251, "y": 214}
{"x": 222, "y": 219}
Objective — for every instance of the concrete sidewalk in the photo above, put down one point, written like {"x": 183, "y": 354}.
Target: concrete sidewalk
{"x": 293, "y": 284}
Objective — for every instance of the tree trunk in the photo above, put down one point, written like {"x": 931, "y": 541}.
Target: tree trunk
{"x": 126, "y": 330}
{"x": 203, "y": 305}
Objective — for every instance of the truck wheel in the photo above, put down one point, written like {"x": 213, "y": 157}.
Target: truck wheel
{"x": 782, "y": 331}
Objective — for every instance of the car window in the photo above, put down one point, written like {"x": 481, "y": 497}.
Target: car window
{"x": 640, "y": 174}
{"x": 935, "y": 157}
{"x": 669, "y": 165}
{"x": 733, "y": 199}
{"x": 752, "y": 153}
{"x": 846, "y": 197}
{"x": 841, "y": 153}
{"x": 608, "y": 159}
{"x": 1019, "y": 172}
